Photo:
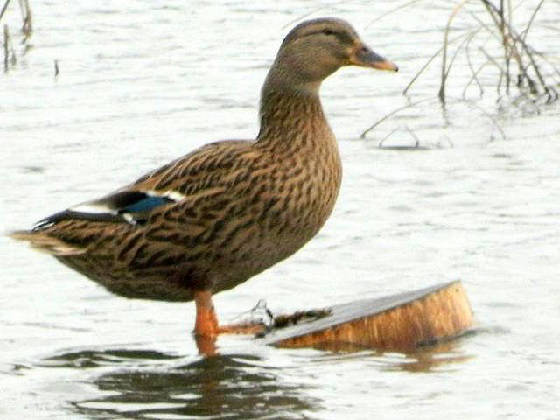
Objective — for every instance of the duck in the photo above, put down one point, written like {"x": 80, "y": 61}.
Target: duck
{"x": 219, "y": 215}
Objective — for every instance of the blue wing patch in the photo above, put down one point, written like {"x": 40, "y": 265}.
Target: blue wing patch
{"x": 146, "y": 204}
{"x": 131, "y": 207}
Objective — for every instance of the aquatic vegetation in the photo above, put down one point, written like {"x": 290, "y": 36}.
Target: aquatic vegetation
{"x": 486, "y": 48}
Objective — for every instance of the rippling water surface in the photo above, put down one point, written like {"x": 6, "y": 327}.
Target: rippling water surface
{"x": 142, "y": 82}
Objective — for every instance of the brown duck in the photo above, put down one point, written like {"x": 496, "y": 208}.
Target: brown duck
{"x": 217, "y": 216}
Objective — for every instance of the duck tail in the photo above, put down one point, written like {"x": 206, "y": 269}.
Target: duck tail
{"x": 45, "y": 243}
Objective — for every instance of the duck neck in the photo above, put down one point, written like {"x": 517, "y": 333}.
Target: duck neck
{"x": 292, "y": 117}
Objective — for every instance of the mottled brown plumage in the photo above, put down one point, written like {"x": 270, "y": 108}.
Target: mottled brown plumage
{"x": 223, "y": 213}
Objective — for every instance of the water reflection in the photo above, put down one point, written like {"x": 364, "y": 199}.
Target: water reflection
{"x": 129, "y": 383}
{"x": 431, "y": 359}
{"x": 425, "y": 359}
{"x": 232, "y": 386}
{"x": 95, "y": 358}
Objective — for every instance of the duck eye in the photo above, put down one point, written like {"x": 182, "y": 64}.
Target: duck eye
{"x": 328, "y": 32}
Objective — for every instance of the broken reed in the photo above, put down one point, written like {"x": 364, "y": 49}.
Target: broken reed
{"x": 6, "y": 47}
{"x": 26, "y": 29}
{"x": 26, "y": 16}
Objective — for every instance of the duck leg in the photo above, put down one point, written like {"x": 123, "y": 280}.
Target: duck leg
{"x": 206, "y": 324}
{"x": 206, "y": 320}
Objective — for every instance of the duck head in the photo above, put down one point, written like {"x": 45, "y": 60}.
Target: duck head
{"x": 316, "y": 48}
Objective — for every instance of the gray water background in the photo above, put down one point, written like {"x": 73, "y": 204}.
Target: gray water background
{"x": 142, "y": 82}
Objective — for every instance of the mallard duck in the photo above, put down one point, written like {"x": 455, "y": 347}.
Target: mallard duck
{"x": 223, "y": 213}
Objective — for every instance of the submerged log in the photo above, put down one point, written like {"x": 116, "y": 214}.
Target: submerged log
{"x": 400, "y": 322}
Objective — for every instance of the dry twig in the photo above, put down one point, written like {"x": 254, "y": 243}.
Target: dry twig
{"x": 444, "y": 72}
{"x": 26, "y": 16}
{"x": 390, "y": 114}
{"x": 427, "y": 64}
{"x": 4, "y": 7}
{"x": 6, "y": 48}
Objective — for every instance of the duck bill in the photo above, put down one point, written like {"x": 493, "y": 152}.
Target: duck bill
{"x": 365, "y": 57}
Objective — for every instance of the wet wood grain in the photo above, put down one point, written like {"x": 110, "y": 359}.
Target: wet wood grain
{"x": 400, "y": 322}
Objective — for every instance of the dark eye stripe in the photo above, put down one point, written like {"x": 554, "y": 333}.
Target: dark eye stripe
{"x": 343, "y": 37}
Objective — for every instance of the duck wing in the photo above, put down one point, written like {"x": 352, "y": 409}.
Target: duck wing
{"x": 205, "y": 174}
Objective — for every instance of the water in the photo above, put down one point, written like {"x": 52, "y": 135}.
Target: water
{"x": 143, "y": 82}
